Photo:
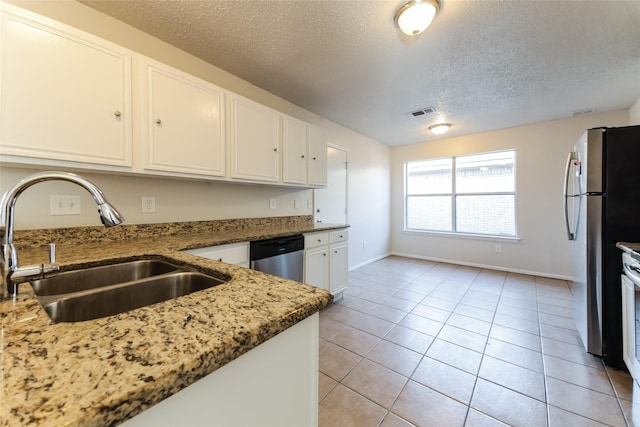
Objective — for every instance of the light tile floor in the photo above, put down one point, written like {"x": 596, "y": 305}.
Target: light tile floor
{"x": 430, "y": 344}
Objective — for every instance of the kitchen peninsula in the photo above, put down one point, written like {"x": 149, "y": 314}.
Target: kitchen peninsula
{"x": 106, "y": 371}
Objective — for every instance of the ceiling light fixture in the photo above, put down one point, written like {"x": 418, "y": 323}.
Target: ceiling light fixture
{"x": 415, "y": 16}
{"x": 440, "y": 128}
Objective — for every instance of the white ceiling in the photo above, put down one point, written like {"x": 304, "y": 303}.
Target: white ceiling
{"x": 482, "y": 65}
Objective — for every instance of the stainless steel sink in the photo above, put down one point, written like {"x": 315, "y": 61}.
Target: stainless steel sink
{"x": 91, "y": 293}
{"x": 96, "y": 277}
{"x": 115, "y": 299}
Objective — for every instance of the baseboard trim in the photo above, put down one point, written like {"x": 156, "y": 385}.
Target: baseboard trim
{"x": 369, "y": 261}
{"x": 489, "y": 267}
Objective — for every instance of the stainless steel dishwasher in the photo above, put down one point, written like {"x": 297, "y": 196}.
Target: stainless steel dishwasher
{"x": 283, "y": 257}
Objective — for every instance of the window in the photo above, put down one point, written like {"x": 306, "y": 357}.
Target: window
{"x": 472, "y": 194}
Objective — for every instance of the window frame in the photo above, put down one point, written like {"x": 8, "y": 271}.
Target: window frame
{"x": 453, "y": 196}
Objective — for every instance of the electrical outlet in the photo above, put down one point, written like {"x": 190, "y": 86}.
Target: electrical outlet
{"x": 364, "y": 244}
{"x": 498, "y": 249}
{"x": 309, "y": 204}
{"x": 296, "y": 204}
{"x": 65, "y": 205}
{"x": 272, "y": 203}
{"x": 148, "y": 204}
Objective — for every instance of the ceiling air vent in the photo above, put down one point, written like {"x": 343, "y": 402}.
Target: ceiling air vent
{"x": 582, "y": 112}
{"x": 422, "y": 112}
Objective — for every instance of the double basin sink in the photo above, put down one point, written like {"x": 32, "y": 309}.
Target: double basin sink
{"x": 95, "y": 292}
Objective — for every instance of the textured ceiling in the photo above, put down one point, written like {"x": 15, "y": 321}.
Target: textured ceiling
{"x": 482, "y": 65}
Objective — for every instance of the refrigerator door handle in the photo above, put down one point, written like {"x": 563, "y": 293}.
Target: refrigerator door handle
{"x": 572, "y": 156}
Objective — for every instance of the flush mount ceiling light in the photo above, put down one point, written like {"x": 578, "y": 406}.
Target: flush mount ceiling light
{"x": 415, "y": 16}
{"x": 440, "y": 128}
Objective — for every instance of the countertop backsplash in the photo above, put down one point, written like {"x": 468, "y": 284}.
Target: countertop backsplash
{"x": 99, "y": 234}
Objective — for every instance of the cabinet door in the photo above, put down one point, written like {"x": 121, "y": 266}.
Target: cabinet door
{"x": 65, "y": 94}
{"x": 317, "y": 157}
{"x": 339, "y": 267}
{"x": 295, "y": 141}
{"x": 233, "y": 253}
{"x": 255, "y": 141}
{"x": 316, "y": 268}
{"x": 185, "y": 123}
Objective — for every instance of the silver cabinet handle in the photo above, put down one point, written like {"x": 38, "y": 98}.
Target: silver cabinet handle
{"x": 117, "y": 113}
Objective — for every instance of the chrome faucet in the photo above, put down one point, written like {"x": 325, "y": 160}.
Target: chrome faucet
{"x": 11, "y": 273}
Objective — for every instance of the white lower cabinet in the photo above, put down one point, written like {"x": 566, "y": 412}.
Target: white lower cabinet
{"x": 273, "y": 385}
{"x": 326, "y": 260}
{"x": 233, "y": 253}
{"x": 339, "y": 267}
{"x": 316, "y": 267}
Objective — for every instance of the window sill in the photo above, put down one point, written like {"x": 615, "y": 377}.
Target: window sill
{"x": 463, "y": 235}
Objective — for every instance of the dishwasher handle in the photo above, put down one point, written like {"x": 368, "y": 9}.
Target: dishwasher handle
{"x": 273, "y": 247}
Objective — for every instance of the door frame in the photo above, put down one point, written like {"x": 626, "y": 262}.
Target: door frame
{"x": 346, "y": 190}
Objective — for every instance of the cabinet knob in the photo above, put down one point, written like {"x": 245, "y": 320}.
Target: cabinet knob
{"x": 314, "y": 158}
{"x": 158, "y": 121}
{"x": 275, "y": 149}
{"x": 117, "y": 113}
{"x": 302, "y": 156}
{"x": 220, "y": 259}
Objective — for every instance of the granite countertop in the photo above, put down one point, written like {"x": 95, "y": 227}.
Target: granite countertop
{"x": 105, "y": 371}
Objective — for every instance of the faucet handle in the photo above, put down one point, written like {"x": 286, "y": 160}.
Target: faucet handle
{"x": 52, "y": 253}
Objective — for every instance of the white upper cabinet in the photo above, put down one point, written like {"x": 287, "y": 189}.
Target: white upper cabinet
{"x": 65, "y": 94}
{"x": 254, "y": 132}
{"x": 184, "y": 123}
{"x": 317, "y": 176}
{"x": 67, "y": 100}
{"x": 295, "y": 143}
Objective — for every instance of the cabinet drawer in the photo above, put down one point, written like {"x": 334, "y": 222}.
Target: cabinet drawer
{"x": 315, "y": 239}
{"x": 234, "y": 253}
{"x": 339, "y": 236}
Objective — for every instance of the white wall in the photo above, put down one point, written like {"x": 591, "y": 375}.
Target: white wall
{"x": 181, "y": 200}
{"x": 541, "y": 151}
{"x": 634, "y": 113}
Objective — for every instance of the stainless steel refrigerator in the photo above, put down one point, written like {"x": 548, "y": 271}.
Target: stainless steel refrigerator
{"x": 602, "y": 207}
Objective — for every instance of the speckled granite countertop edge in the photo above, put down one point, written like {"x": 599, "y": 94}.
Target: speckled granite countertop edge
{"x": 105, "y": 371}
